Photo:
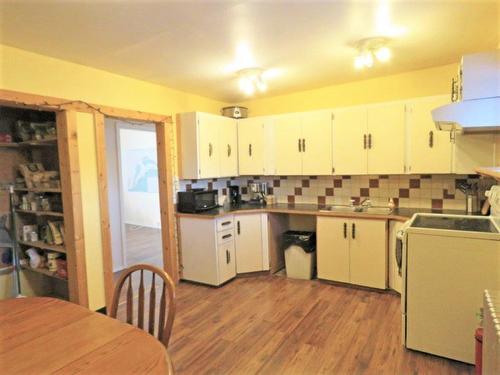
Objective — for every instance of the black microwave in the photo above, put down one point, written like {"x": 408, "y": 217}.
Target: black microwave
{"x": 197, "y": 200}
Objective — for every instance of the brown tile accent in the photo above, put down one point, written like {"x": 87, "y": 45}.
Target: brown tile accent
{"x": 346, "y": 177}
{"x": 283, "y": 177}
{"x": 305, "y": 183}
{"x": 244, "y": 190}
{"x": 437, "y": 203}
{"x": 189, "y": 187}
{"x": 396, "y": 202}
{"x": 414, "y": 183}
{"x": 233, "y": 178}
{"x": 364, "y": 192}
{"x": 224, "y": 191}
{"x": 446, "y": 195}
{"x": 425, "y": 176}
{"x": 214, "y": 179}
{"x": 291, "y": 199}
{"x": 329, "y": 192}
{"x": 337, "y": 183}
{"x": 313, "y": 177}
{"x": 256, "y": 177}
{"x": 194, "y": 181}
{"x": 321, "y": 200}
{"x": 373, "y": 183}
{"x": 404, "y": 193}
{"x": 356, "y": 200}
{"x": 298, "y": 191}
{"x": 270, "y": 190}
{"x": 210, "y": 186}
{"x": 276, "y": 183}
{"x": 383, "y": 177}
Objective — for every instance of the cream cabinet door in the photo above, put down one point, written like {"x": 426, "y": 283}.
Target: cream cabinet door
{"x": 349, "y": 144}
{"x": 317, "y": 143}
{"x": 251, "y": 146}
{"x": 472, "y": 151}
{"x": 228, "y": 147}
{"x": 208, "y": 145}
{"x": 429, "y": 150}
{"x": 386, "y": 139}
{"x": 287, "y": 145}
{"x": 368, "y": 253}
{"x": 332, "y": 240}
{"x": 226, "y": 261}
{"x": 248, "y": 243}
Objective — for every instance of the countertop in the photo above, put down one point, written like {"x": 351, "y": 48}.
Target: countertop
{"x": 398, "y": 214}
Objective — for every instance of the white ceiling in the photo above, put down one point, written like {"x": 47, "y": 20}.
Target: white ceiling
{"x": 191, "y": 45}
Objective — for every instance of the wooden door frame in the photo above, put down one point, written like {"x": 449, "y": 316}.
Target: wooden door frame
{"x": 164, "y": 139}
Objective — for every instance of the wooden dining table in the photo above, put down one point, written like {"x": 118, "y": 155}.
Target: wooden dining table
{"x": 41, "y": 335}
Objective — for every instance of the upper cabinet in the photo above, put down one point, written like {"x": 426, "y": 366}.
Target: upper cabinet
{"x": 254, "y": 146}
{"x": 302, "y": 143}
{"x": 429, "y": 150}
{"x": 207, "y": 146}
{"x": 386, "y": 139}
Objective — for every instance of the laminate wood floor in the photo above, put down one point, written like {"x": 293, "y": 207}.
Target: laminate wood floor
{"x": 274, "y": 325}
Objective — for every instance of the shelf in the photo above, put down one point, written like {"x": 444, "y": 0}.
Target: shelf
{"x": 43, "y": 271}
{"x": 44, "y": 246}
{"x": 39, "y": 143}
{"x": 9, "y": 145}
{"x": 39, "y": 190}
{"x": 40, "y": 213}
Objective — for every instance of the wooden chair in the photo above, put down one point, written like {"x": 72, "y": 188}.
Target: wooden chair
{"x": 168, "y": 292}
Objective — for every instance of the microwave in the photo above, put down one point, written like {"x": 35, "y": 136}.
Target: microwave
{"x": 197, "y": 200}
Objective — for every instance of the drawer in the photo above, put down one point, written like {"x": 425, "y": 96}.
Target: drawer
{"x": 225, "y": 236}
{"x": 225, "y": 223}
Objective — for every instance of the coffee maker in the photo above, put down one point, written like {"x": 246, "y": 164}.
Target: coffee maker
{"x": 234, "y": 195}
{"x": 257, "y": 192}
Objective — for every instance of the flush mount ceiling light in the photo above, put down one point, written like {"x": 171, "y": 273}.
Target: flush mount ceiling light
{"x": 251, "y": 80}
{"x": 371, "y": 49}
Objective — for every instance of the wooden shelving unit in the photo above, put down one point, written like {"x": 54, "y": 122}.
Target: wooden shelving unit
{"x": 9, "y": 145}
{"x": 43, "y": 246}
{"x": 38, "y": 190}
{"x": 40, "y": 213}
{"x": 43, "y": 271}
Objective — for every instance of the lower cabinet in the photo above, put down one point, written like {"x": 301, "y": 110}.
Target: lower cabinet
{"x": 213, "y": 251}
{"x": 352, "y": 251}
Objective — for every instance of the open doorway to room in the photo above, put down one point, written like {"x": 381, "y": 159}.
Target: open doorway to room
{"x": 133, "y": 196}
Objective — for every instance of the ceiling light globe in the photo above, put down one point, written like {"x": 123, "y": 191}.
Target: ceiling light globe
{"x": 359, "y": 63}
{"x": 368, "y": 59}
{"x": 383, "y": 54}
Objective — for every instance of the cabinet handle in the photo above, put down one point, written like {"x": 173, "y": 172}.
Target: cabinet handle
{"x": 303, "y": 145}
{"x": 225, "y": 223}
{"x": 454, "y": 89}
{"x": 228, "y": 257}
{"x": 228, "y": 150}
{"x": 238, "y": 227}
{"x": 226, "y": 236}
{"x": 345, "y": 230}
{"x": 300, "y": 146}
{"x": 369, "y": 141}
{"x": 364, "y": 141}
{"x": 353, "y": 234}
{"x": 249, "y": 149}
{"x": 210, "y": 150}
{"x": 431, "y": 139}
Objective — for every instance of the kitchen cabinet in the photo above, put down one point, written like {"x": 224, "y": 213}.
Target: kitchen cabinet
{"x": 209, "y": 256}
{"x": 386, "y": 139}
{"x": 251, "y": 243}
{"x": 429, "y": 150}
{"x": 302, "y": 143}
{"x": 207, "y": 146}
{"x": 350, "y": 153}
{"x": 255, "y": 146}
{"x": 352, "y": 251}
{"x": 471, "y": 151}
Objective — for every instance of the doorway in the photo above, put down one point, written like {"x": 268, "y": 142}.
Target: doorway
{"x": 133, "y": 195}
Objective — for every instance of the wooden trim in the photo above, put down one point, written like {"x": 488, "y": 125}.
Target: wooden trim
{"x": 19, "y": 99}
{"x": 165, "y": 180}
{"x": 102, "y": 176}
{"x": 72, "y": 204}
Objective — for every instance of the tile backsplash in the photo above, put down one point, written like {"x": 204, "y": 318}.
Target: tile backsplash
{"x": 416, "y": 191}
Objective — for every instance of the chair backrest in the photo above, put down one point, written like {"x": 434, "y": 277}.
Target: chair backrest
{"x": 167, "y": 298}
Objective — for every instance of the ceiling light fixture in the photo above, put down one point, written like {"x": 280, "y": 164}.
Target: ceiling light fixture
{"x": 370, "y": 49}
{"x": 251, "y": 80}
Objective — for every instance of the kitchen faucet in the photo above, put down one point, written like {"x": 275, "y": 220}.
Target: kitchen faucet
{"x": 365, "y": 203}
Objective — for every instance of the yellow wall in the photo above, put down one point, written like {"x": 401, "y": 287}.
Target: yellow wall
{"x": 426, "y": 82}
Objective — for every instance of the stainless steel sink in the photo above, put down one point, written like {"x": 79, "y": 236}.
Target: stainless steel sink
{"x": 338, "y": 208}
{"x": 368, "y": 210}
{"x": 377, "y": 210}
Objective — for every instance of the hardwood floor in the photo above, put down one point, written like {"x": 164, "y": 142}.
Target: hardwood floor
{"x": 275, "y": 325}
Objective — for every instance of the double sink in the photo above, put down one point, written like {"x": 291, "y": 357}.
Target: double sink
{"x": 362, "y": 209}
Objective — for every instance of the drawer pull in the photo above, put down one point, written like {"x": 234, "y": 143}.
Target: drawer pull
{"x": 225, "y": 223}
{"x": 226, "y": 236}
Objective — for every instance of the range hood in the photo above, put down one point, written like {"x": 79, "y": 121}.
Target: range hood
{"x": 475, "y": 96}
